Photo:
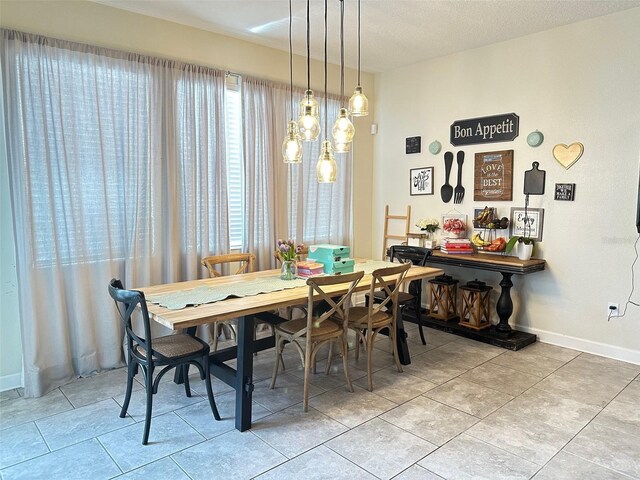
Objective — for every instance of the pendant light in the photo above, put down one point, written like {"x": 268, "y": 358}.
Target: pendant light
{"x": 292, "y": 144}
{"x": 309, "y": 119}
{"x": 359, "y": 103}
{"x": 326, "y": 168}
{"x": 343, "y": 130}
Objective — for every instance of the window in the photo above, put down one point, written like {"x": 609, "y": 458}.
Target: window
{"x": 235, "y": 171}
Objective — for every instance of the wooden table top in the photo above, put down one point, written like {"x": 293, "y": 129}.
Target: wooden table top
{"x": 236, "y": 307}
{"x": 487, "y": 261}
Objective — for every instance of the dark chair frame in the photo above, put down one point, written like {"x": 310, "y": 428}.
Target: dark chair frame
{"x": 417, "y": 256}
{"x": 130, "y": 300}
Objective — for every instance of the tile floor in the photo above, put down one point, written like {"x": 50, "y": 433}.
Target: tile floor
{"x": 461, "y": 410}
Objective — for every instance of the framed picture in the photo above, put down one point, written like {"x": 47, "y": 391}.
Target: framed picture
{"x": 454, "y": 225}
{"x": 493, "y": 176}
{"x": 421, "y": 181}
{"x": 565, "y": 191}
{"x": 529, "y": 225}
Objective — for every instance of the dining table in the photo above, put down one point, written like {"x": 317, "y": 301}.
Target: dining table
{"x": 189, "y": 304}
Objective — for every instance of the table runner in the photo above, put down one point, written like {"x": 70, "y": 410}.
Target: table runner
{"x": 208, "y": 294}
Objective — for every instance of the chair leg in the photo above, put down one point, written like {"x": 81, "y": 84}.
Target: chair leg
{"x": 131, "y": 368}
{"x": 276, "y": 364}
{"x": 215, "y": 336}
{"x": 185, "y": 375}
{"x": 207, "y": 382}
{"x": 418, "y": 309}
{"x": 345, "y": 362}
{"x": 147, "y": 418}
{"x": 307, "y": 374}
{"x": 329, "y": 359}
{"x": 369, "y": 346}
{"x": 394, "y": 344}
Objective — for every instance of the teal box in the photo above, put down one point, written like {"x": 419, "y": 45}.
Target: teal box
{"x": 325, "y": 252}
{"x": 341, "y": 266}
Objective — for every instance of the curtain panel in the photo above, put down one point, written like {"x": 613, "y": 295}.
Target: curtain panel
{"x": 117, "y": 169}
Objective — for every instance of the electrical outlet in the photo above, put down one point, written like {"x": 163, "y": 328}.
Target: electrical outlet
{"x": 613, "y": 310}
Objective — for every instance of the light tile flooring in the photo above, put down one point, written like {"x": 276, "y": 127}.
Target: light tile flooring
{"x": 461, "y": 410}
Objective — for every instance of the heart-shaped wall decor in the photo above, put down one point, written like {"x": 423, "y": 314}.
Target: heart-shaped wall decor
{"x": 568, "y": 155}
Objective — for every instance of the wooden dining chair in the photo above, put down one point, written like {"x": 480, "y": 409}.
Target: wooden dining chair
{"x": 170, "y": 351}
{"x": 368, "y": 321}
{"x": 309, "y": 334}
{"x": 417, "y": 256}
{"x": 245, "y": 263}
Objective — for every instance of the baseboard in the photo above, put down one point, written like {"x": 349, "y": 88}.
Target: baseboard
{"x": 7, "y": 382}
{"x": 588, "y": 346}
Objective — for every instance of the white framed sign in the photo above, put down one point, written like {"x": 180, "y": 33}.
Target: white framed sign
{"x": 529, "y": 225}
{"x": 421, "y": 181}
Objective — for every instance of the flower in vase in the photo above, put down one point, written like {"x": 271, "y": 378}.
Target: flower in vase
{"x": 288, "y": 250}
{"x": 429, "y": 225}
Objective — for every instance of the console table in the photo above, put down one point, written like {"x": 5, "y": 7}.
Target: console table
{"x": 501, "y": 334}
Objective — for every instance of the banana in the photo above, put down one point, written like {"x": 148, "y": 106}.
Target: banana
{"x": 478, "y": 241}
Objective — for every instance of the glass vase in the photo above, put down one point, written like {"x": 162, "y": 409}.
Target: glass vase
{"x": 288, "y": 271}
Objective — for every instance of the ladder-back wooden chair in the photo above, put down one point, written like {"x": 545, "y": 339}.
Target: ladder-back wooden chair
{"x": 368, "y": 321}
{"x": 245, "y": 263}
{"x": 310, "y": 333}
{"x": 171, "y": 351}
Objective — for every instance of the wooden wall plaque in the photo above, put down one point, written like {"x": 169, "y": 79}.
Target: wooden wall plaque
{"x": 493, "y": 176}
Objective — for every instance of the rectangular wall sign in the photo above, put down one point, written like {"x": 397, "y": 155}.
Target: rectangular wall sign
{"x": 473, "y": 131}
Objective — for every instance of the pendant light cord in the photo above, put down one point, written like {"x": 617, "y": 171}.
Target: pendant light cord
{"x": 308, "y": 51}
{"x": 290, "y": 62}
{"x": 358, "y": 42}
{"x": 341, "y": 50}
{"x": 325, "y": 69}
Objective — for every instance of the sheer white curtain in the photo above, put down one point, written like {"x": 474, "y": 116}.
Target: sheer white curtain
{"x": 281, "y": 199}
{"x": 116, "y": 167}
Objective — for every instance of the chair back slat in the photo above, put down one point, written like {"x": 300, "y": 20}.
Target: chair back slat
{"x": 246, "y": 261}
{"x": 408, "y": 253}
{"x": 338, "y": 304}
{"x": 130, "y": 299}
{"x": 389, "y": 280}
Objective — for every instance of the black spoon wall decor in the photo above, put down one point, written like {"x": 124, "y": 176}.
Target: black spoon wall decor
{"x": 446, "y": 192}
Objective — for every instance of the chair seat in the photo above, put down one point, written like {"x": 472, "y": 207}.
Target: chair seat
{"x": 358, "y": 317}
{"x": 403, "y": 297}
{"x": 325, "y": 328}
{"x": 174, "y": 346}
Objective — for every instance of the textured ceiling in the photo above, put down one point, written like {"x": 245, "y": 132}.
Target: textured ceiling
{"x": 394, "y": 32}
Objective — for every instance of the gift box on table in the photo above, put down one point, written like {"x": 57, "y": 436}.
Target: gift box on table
{"x": 326, "y": 252}
{"x": 308, "y": 269}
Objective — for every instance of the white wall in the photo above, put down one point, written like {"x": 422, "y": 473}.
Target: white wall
{"x": 96, "y": 24}
{"x": 575, "y": 83}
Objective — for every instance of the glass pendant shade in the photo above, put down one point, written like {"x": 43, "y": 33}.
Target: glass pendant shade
{"x": 309, "y": 124}
{"x": 359, "y": 103}
{"x": 292, "y": 144}
{"x": 326, "y": 168}
{"x": 342, "y": 147}
{"x": 309, "y": 101}
{"x": 343, "y": 130}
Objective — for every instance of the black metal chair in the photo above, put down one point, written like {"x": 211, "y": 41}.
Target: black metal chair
{"x": 170, "y": 351}
{"x": 417, "y": 256}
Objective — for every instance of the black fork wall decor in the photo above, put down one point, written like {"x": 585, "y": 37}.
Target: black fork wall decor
{"x": 459, "y": 190}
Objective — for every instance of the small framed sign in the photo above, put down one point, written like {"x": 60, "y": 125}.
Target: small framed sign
{"x": 493, "y": 176}
{"x": 565, "y": 191}
{"x": 529, "y": 225}
{"x": 413, "y": 145}
{"x": 421, "y": 181}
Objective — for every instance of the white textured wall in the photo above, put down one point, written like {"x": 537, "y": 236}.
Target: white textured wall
{"x": 575, "y": 83}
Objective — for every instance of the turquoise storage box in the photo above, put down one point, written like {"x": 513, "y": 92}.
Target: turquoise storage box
{"x": 341, "y": 266}
{"x": 326, "y": 252}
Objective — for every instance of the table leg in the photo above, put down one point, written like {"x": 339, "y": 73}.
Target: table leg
{"x": 504, "y": 307}
{"x": 244, "y": 375}
{"x": 178, "y": 377}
